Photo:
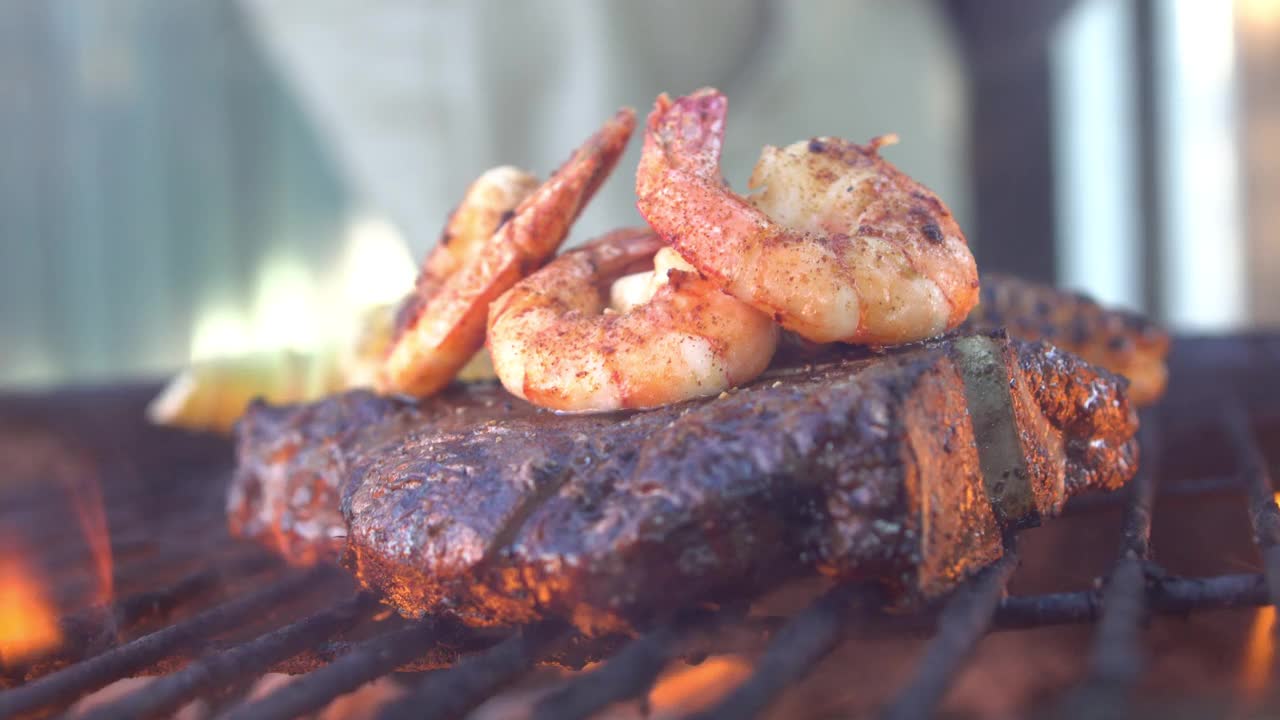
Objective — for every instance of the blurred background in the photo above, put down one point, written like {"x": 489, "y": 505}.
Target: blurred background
{"x": 182, "y": 179}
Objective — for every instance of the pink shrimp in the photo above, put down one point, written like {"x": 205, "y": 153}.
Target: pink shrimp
{"x": 836, "y": 244}
{"x": 444, "y": 323}
{"x": 554, "y": 342}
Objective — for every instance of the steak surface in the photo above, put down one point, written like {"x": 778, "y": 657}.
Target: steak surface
{"x": 905, "y": 467}
{"x": 1123, "y": 342}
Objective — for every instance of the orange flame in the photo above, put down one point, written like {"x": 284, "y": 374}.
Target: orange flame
{"x": 50, "y": 462}
{"x": 694, "y": 688}
{"x": 28, "y": 622}
{"x": 1260, "y": 653}
{"x": 86, "y": 501}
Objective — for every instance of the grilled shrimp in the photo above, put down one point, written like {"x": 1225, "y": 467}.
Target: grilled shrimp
{"x": 554, "y": 342}
{"x": 443, "y": 325}
{"x": 836, "y": 243}
{"x": 488, "y": 202}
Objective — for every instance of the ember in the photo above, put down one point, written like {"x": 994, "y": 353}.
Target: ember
{"x": 1260, "y": 654}
{"x": 693, "y": 688}
{"x": 84, "y": 495}
{"x": 28, "y": 621}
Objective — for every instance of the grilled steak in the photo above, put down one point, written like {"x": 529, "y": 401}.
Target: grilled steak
{"x": 905, "y": 467}
{"x": 1123, "y": 342}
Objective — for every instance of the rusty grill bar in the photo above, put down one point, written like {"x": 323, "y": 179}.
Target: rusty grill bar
{"x": 222, "y": 622}
{"x": 451, "y": 693}
{"x": 628, "y": 675}
{"x": 361, "y": 664}
{"x": 801, "y": 643}
{"x": 1116, "y": 660}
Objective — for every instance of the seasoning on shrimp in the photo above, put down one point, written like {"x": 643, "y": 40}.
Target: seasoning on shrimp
{"x": 836, "y": 243}
{"x": 555, "y": 344}
{"x": 497, "y": 243}
{"x": 490, "y": 200}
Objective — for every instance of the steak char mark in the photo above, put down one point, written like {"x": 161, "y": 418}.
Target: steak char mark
{"x": 905, "y": 467}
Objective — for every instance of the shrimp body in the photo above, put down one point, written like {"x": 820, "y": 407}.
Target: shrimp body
{"x": 556, "y": 344}
{"x": 489, "y": 201}
{"x": 836, "y": 243}
{"x": 443, "y": 325}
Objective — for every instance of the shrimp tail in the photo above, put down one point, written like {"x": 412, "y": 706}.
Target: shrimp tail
{"x": 835, "y": 244}
{"x": 542, "y": 221}
{"x": 448, "y": 325}
{"x": 690, "y": 129}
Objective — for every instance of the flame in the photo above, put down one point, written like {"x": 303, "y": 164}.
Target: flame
{"x": 85, "y": 497}
{"x": 71, "y": 473}
{"x": 76, "y": 477}
{"x": 29, "y": 606}
{"x": 28, "y": 623}
{"x": 690, "y": 689}
{"x": 1260, "y": 652}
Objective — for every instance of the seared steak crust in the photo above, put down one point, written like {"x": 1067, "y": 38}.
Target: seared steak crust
{"x": 1125, "y": 343}
{"x": 858, "y": 466}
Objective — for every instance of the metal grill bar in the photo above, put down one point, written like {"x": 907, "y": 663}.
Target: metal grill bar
{"x": 1165, "y": 595}
{"x": 97, "y": 629}
{"x": 77, "y": 554}
{"x": 799, "y": 646}
{"x": 961, "y": 624}
{"x": 1115, "y": 653}
{"x": 1264, "y": 515}
{"x": 365, "y": 662}
{"x": 1116, "y": 659}
{"x": 60, "y": 689}
{"x": 244, "y": 559}
{"x": 450, "y": 693}
{"x": 30, "y": 510}
{"x": 246, "y": 661}
{"x": 1228, "y": 485}
{"x": 629, "y": 674}
{"x": 81, "y": 587}
{"x": 452, "y": 646}
{"x": 1132, "y": 591}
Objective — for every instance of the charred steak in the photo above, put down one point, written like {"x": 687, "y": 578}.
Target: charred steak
{"x": 905, "y": 467}
{"x": 1123, "y": 342}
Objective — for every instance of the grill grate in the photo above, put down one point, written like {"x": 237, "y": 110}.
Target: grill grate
{"x": 628, "y": 675}
{"x": 961, "y": 624}
{"x": 451, "y": 693}
{"x": 60, "y": 689}
{"x": 361, "y": 664}
{"x": 1116, "y": 660}
{"x": 213, "y": 616}
{"x": 798, "y": 647}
